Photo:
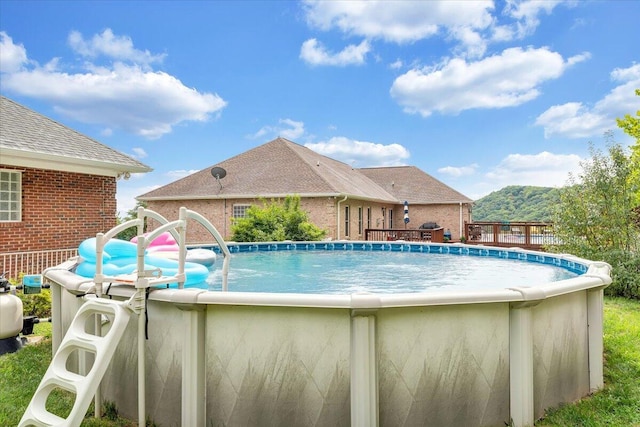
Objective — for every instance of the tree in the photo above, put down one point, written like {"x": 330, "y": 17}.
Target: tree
{"x": 631, "y": 126}
{"x": 130, "y": 232}
{"x": 598, "y": 216}
{"x": 593, "y": 215}
{"x": 275, "y": 222}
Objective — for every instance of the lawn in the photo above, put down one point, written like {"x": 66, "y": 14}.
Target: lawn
{"x": 617, "y": 405}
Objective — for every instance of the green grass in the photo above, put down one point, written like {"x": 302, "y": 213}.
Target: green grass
{"x": 617, "y": 405}
{"x": 20, "y": 375}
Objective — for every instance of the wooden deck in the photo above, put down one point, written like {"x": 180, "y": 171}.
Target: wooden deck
{"x": 407, "y": 235}
{"x": 526, "y": 235}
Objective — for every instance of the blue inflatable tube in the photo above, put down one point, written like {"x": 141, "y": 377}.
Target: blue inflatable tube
{"x": 120, "y": 257}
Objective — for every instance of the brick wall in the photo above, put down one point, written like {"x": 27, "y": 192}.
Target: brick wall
{"x": 219, "y": 212}
{"x": 59, "y": 210}
{"x": 322, "y": 212}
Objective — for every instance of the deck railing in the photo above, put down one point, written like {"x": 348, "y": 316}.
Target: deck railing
{"x": 32, "y": 262}
{"x": 527, "y": 235}
{"x": 413, "y": 235}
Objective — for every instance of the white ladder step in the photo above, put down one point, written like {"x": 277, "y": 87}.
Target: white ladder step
{"x": 83, "y": 386}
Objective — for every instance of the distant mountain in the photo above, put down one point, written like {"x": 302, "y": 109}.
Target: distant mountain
{"x": 517, "y": 203}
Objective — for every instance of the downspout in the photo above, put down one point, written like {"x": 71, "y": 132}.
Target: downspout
{"x": 461, "y": 222}
{"x": 338, "y": 217}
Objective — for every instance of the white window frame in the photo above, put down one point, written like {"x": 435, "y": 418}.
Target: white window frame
{"x": 240, "y": 210}
{"x": 10, "y": 195}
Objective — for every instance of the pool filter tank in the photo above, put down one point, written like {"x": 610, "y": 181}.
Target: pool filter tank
{"x": 10, "y": 318}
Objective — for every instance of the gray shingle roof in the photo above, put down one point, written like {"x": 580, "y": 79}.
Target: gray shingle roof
{"x": 24, "y": 130}
{"x": 413, "y": 185}
{"x": 274, "y": 169}
{"x": 282, "y": 167}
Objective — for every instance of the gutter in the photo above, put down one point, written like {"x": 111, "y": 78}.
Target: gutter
{"x": 266, "y": 196}
{"x": 22, "y": 158}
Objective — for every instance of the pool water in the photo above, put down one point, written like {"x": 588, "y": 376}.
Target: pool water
{"x": 347, "y": 272}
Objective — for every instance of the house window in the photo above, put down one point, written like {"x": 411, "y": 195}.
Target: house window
{"x": 346, "y": 221}
{"x": 240, "y": 211}
{"x": 10, "y": 196}
{"x": 360, "y": 220}
{"x": 369, "y": 217}
{"x": 390, "y": 218}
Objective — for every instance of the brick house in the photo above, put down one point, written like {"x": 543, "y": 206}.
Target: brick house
{"x": 57, "y": 186}
{"x": 339, "y": 198}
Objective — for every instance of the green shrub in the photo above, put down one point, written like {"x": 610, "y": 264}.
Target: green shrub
{"x": 625, "y": 274}
{"x": 38, "y": 305}
{"x": 275, "y": 222}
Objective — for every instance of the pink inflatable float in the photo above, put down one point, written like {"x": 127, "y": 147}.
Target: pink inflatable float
{"x": 166, "y": 246}
{"x": 164, "y": 242}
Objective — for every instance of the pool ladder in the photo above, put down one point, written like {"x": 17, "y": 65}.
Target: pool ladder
{"x": 77, "y": 340}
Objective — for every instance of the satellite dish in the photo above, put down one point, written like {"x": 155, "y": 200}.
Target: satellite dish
{"x": 218, "y": 173}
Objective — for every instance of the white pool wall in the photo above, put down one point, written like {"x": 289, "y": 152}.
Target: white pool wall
{"x": 437, "y": 359}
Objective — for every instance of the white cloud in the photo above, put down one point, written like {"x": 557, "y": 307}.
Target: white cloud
{"x": 504, "y": 80}
{"x": 287, "y": 128}
{"x": 396, "y": 65}
{"x": 470, "y": 25}
{"x": 360, "y": 153}
{"x": 112, "y": 46}
{"x": 397, "y": 21}
{"x": 543, "y": 169}
{"x": 576, "y": 120}
{"x": 473, "y": 44}
{"x": 139, "y": 153}
{"x": 129, "y": 97}
{"x": 314, "y": 53}
{"x": 459, "y": 171}
{"x": 13, "y": 57}
{"x": 526, "y": 13}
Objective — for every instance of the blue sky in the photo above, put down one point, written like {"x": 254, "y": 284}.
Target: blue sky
{"x": 478, "y": 94}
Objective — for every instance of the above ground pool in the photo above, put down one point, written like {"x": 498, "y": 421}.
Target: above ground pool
{"x": 336, "y": 268}
{"x": 353, "y": 334}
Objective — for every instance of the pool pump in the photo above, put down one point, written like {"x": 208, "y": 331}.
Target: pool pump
{"x": 11, "y": 321}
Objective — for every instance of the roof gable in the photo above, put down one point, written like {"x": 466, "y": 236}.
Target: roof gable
{"x": 275, "y": 169}
{"x": 413, "y": 185}
{"x": 29, "y": 139}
